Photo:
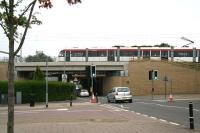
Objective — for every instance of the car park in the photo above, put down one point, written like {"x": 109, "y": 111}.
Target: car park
{"x": 83, "y": 93}
{"x": 119, "y": 94}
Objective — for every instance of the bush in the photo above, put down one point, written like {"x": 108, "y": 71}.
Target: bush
{"x": 57, "y": 91}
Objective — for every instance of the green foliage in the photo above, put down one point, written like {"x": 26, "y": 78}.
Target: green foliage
{"x": 39, "y": 57}
{"x": 162, "y": 45}
{"x": 58, "y": 91}
{"x": 38, "y": 74}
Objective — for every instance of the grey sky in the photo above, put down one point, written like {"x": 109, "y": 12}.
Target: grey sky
{"x": 104, "y": 23}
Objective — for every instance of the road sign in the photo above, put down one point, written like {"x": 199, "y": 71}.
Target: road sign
{"x": 64, "y": 78}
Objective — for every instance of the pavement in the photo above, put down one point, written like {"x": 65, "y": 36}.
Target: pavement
{"x": 84, "y": 117}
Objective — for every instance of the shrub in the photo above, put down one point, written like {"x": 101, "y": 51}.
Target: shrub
{"x": 57, "y": 91}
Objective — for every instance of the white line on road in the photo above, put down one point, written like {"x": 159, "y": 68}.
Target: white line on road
{"x": 174, "y": 123}
{"x": 153, "y": 118}
{"x": 168, "y": 106}
{"x": 61, "y": 109}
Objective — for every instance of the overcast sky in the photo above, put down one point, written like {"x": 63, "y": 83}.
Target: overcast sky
{"x": 105, "y": 23}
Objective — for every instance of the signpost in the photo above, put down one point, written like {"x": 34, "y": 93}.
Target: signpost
{"x": 153, "y": 75}
{"x": 165, "y": 79}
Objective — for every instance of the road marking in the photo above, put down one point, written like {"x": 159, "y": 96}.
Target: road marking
{"x": 174, "y": 123}
{"x": 169, "y": 106}
{"x": 113, "y": 108}
{"x": 145, "y": 115}
{"x": 138, "y": 113}
{"x": 61, "y": 109}
{"x": 163, "y": 120}
{"x": 153, "y": 118}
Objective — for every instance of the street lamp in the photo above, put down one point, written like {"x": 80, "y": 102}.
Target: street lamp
{"x": 188, "y": 40}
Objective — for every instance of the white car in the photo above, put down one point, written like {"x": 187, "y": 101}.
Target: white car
{"x": 119, "y": 94}
{"x": 84, "y": 93}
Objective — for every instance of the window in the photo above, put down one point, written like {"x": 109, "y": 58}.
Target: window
{"x": 183, "y": 53}
{"x": 61, "y": 54}
{"x": 78, "y": 54}
{"x": 97, "y": 54}
{"x": 128, "y": 53}
{"x": 155, "y": 53}
{"x": 123, "y": 90}
{"x": 146, "y": 53}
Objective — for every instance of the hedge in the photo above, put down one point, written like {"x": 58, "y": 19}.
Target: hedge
{"x": 57, "y": 91}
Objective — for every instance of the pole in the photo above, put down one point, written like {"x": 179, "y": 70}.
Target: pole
{"x": 46, "y": 82}
{"x": 171, "y": 87}
{"x": 92, "y": 85}
{"x": 191, "y": 118}
{"x": 152, "y": 91}
{"x": 165, "y": 90}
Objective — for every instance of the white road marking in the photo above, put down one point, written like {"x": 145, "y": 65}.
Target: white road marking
{"x": 174, "y": 123}
{"x": 163, "y": 120}
{"x": 168, "y": 106}
{"x": 138, "y": 113}
{"x": 61, "y": 109}
{"x": 145, "y": 115}
{"x": 113, "y": 108}
{"x": 153, "y": 118}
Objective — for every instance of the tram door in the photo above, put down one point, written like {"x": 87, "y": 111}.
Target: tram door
{"x": 111, "y": 55}
{"x": 67, "y": 56}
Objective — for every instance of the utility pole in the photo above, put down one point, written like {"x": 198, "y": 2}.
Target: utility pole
{"x": 47, "y": 82}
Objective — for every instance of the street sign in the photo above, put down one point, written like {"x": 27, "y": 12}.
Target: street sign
{"x": 64, "y": 78}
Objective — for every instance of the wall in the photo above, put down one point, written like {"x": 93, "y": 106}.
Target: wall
{"x": 3, "y": 71}
{"x": 184, "y": 80}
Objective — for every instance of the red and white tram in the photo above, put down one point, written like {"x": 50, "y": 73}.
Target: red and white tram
{"x": 129, "y": 53}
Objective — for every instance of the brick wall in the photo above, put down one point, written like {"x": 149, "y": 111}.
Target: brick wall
{"x": 184, "y": 80}
{"x": 3, "y": 71}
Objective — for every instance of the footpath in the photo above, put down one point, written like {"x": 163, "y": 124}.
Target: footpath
{"x": 84, "y": 118}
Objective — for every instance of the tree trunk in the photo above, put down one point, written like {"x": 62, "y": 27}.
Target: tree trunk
{"x": 11, "y": 99}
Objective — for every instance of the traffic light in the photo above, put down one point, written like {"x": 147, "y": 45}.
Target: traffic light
{"x": 150, "y": 74}
{"x": 153, "y": 75}
{"x": 93, "y": 71}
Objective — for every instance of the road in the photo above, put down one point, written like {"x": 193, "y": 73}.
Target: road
{"x": 176, "y": 112}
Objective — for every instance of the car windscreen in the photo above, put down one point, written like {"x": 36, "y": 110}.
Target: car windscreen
{"x": 123, "y": 89}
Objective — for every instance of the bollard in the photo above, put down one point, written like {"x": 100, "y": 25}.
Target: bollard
{"x": 70, "y": 101}
{"x": 96, "y": 97}
{"x": 191, "y": 118}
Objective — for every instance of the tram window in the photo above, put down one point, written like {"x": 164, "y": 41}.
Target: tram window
{"x": 61, "y": 54}
{"x": 183, "y": 54}
{"x": 146, "y": 53}
{"x": 97, "y": 54}
{"x": 155, "y": 53}
{"x": 101, "y": 53}
{"x": 128, "y": 53}
{"x": 78, "y": 54}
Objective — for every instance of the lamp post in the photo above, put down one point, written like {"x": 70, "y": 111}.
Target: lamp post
{"x": 47, "y": 82}
{"x": 188, "y": 40}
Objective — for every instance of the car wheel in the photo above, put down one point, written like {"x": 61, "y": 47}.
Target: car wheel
{"x": 130, "y": 101}
{"x": 108, "y": 101}
{"x": 115, "y": 101}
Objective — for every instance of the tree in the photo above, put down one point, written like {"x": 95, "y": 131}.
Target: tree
{"x": 11, "y": 22}
{"x": 39, "y": 57}
{"x": 38, "y": 74}
{"x": 162, "y": 45}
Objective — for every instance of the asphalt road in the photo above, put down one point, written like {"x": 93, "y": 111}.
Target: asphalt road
{"x": 175, "y": 112}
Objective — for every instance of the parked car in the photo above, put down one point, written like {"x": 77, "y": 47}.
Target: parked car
{"x": 83, "y": 93}
{"x": 119, "y": 94}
